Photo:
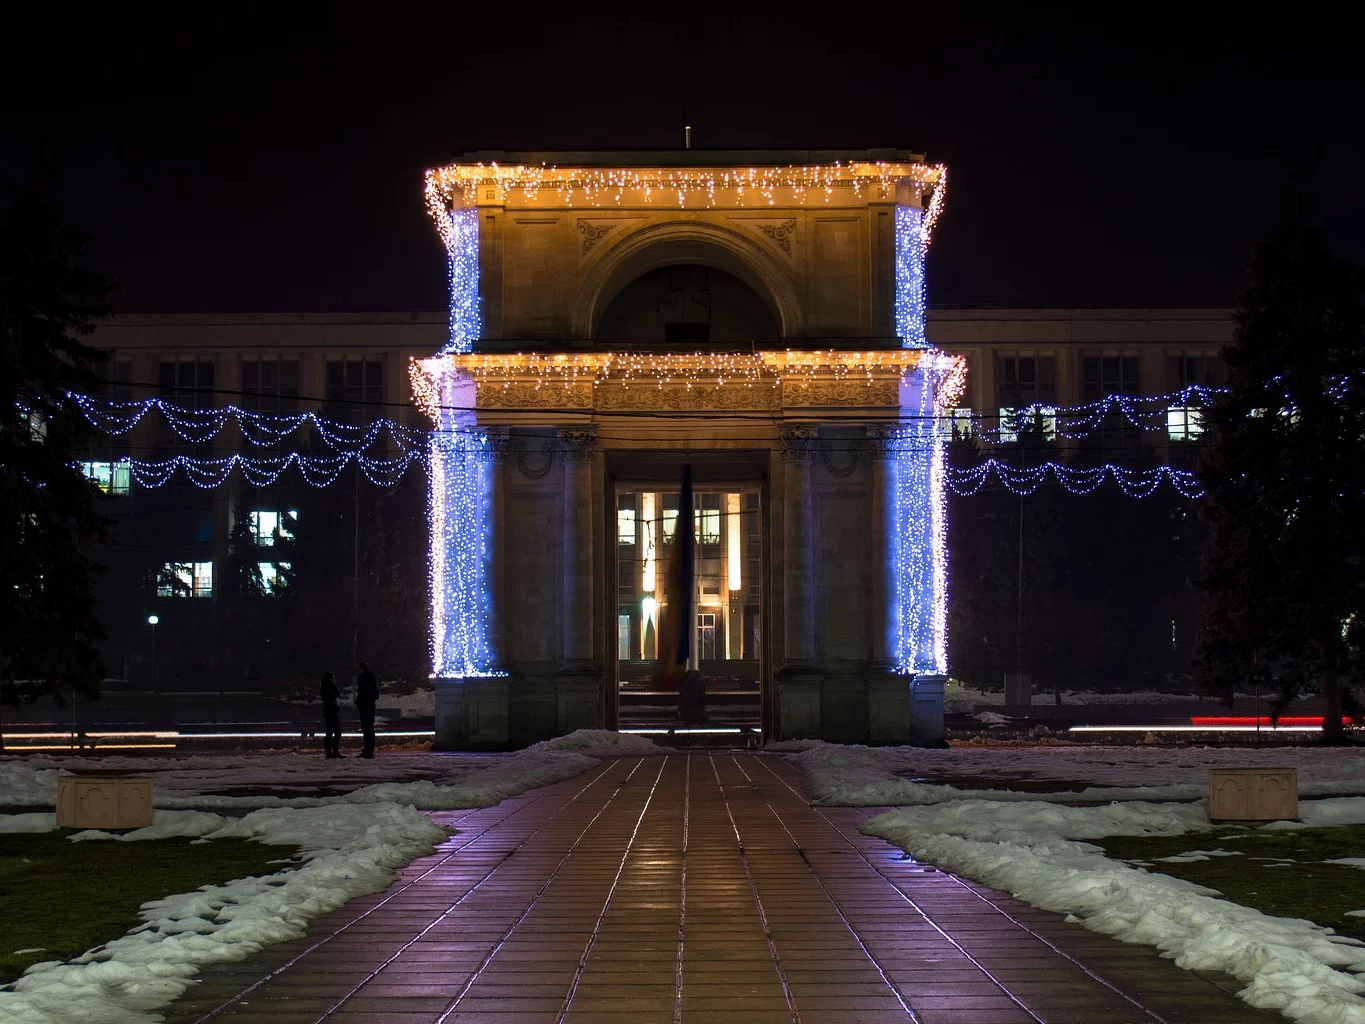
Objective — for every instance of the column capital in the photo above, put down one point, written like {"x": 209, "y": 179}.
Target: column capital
{"x": 798, "y": 443}
{"x": 882, "y": 440}
{"x": 499, "y": 443}
{"x": 577, "y": 443}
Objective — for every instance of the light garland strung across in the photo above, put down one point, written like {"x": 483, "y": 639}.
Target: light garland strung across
{"x": 1135, "y": 483}
{"x": 198, "y": 426}
{"x": 674, "y": 186}
{"x": 317, "y": 470}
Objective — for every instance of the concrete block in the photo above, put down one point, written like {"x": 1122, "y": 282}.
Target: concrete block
{"x": 104, "y": 801}
{"x": 1253, "y": 794}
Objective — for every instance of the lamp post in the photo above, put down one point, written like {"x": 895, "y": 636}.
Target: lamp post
{"x": 152, "y": 620}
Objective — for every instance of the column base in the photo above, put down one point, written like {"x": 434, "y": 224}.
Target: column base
{"x": 926, "y": 710}
{"x": 472, "y": 713}
{"x": 798, "y": 701}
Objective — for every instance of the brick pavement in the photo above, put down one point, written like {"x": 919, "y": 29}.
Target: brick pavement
{"x": 695, "y": 888}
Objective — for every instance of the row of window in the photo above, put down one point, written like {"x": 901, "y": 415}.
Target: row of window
{"x": 195, "y": 579}
{"x": 268, "y": 385}
{"x": 1025, "y": 381}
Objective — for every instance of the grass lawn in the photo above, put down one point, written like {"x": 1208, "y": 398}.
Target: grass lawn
{"x": 1305, "y": 888}
{"x": 62, "y": 898}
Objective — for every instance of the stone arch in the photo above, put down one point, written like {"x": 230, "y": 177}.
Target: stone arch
{"x": 683, "y": 242}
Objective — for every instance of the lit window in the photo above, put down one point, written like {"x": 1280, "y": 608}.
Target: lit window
{"x": 266, "y": 526}
{"x": 1183, "y": 424}
{"x": 274, "y": 576}
{"x": 625, "y": 525}
{"x": 1013, "y": 422}
{"x": 708, "y": 525}
{"x": 670, "y": 524}
{"x": 623, "y": 636}
{"x": 958, "y": 424}
{"x": 185, "y": 579}
{"x": 109, "y": 477}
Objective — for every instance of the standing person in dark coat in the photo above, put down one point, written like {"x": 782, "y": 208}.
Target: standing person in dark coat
{"x": 331, "y": 715}
{"x": 366, "y": 697}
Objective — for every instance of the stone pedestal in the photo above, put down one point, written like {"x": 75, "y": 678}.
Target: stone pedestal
{"x": 105, "y": 801}
{"x": 798, "y": 703}
{"x": 472, "y": 713}
{"x": 888, "y": 709}
{"x": 926, "y": 710}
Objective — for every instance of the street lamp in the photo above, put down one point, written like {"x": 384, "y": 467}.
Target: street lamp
{"x": 152, "y": 620}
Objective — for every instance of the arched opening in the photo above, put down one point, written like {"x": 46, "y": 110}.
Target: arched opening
{"x": 689, "y": 305}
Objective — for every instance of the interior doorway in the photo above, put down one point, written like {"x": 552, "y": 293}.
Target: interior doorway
{"x": 728, "y": 628}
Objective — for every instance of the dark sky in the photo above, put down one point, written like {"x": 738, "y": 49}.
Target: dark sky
{"x": 256, "y": 160}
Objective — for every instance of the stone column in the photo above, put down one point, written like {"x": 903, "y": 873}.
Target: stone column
{"x": 798, "y": 585}
{"x": 577, "y": 444}
{"x": 881, "y": 443}
{"x": 499, "y": 442}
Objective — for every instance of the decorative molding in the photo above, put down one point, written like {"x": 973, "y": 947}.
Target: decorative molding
{"x": 594, "y": 231}
{"x": 833, "y": 468}
{"x": 781, "y": 232}
{"x": 822, "y": 393}
{"x": 798, "y": 443}
{"x": 881, "y": 442}
{"x": 577, "y": 443}
{"x": 547, "y": 450}
{"x": 531, "y": 395}
{"x": 680, "y": 398}
{"x": 499, "y": 444}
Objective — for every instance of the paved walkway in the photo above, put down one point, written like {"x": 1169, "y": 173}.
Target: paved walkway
{"x": 699, "y": 888}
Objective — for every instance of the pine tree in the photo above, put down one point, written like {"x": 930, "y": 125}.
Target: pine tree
{"x": 48, "y": 518}
{"x": 1284, "y": 471}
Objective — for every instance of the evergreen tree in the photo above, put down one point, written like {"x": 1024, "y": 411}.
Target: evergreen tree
{"x": 1284, "y": 471}
{"x": 48, "y": 518}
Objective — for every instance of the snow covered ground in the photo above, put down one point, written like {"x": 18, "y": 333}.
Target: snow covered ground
{"x": 365, "y": 825}
{"x": 1032, "y": 845}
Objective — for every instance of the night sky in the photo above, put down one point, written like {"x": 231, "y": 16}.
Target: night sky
{"x": 268, "y": 160}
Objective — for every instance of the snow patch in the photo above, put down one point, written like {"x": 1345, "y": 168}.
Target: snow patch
{"x": 1190, "y": 856}
{"x": 603, "y": 740}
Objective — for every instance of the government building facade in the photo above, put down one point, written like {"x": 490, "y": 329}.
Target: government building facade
{"x": 759, "y": 318}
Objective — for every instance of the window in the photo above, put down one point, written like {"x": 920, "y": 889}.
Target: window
{"x": 1188, "y": 368}
{"x": 187, "y": 381}
{"x": 185, "y": 579}
{"x": 670, "y": 519}
{"x": 111, "y": 478}
{"x": 353, "y": 382}
{"x": 625, "y": 519}
{"x": 266, "y": 526}
{"x": 1183, "y": 370}
{"x": 623, "y": 650}
{"x": 1039, "y": 418}
{"x": 706, "y": 636}
{"x": 1026, "y": 380}
{"x": 274, "y": 576}
{"x": 1105, "y": 375}
{"x": 270, "y": 385}
{"x": 117, "y": 375}
{"x": 1021, "y": 384}
{"x": 957, "y": 424}
{"x": 1102, "y": 376}
{"x": 1183, "y": 423}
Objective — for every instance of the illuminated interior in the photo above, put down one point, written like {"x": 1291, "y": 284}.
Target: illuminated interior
{"x": 727, "y": 634}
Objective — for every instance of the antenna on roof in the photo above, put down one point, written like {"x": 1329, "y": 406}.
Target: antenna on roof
{"x": 687, "y": 136}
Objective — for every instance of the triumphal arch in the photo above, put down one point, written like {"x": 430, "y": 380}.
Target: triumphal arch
{"x": 755, "y": 316}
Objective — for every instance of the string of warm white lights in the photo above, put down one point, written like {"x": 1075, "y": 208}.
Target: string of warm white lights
{"x": 198, "y": 426}
{"x": 707, "y": 187}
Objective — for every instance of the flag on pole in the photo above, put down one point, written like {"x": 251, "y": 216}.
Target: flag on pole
{"x": 676, "y": 617}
